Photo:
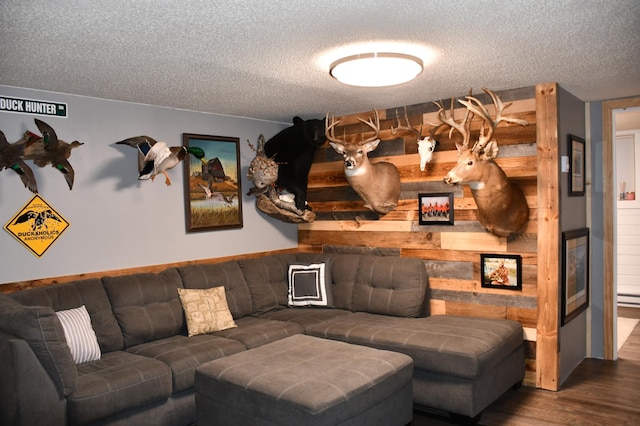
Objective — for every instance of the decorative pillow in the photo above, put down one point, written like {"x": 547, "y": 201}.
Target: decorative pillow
{"x": 206, "y": 310}
{"x": 310, "y": 285}
{"x": 80, "y": 336}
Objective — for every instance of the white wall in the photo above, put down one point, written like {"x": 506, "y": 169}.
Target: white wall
{"x": 116, "y": 221}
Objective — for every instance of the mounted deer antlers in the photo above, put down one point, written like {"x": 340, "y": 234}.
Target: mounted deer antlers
{"x": 426, "y": 145}
{"x": 502, "y": 207}
{"x": 377, "y": 184}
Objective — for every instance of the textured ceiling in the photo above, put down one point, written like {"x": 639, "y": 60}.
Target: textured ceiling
{"x": 268, "y": 59}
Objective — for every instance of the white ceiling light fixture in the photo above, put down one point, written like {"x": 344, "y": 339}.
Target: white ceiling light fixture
{"x": 376, "y": 69}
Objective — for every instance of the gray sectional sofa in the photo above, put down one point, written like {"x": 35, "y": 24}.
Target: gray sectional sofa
{"x": 147, "y": 367}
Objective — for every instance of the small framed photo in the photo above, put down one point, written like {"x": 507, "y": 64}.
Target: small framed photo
{"x": 576, "y": 166}
{"x": 435, "y": 209}
{"x": 501, "y": 271}
{"x": 575, "y": 273}
{"x": 212, "y": 193}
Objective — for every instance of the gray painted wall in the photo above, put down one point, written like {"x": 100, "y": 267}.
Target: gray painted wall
{"x": 573, "y": 215}
{"x": 115, "y": 220}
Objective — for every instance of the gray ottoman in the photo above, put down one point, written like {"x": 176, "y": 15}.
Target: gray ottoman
{"x": 304, "y": 380}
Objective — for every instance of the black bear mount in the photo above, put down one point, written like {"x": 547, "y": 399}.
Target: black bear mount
{"x": 293, "y": 150}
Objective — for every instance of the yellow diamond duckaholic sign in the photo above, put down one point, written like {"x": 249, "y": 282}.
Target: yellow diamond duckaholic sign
{"x": 37, "y": 226}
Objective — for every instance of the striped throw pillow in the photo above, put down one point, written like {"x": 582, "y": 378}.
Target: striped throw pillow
{"x": 80, "y": 336}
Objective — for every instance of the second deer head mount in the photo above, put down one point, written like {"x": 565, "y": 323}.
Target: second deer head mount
{"x": 502, "y": 207}
{"x": 377, "y": 184}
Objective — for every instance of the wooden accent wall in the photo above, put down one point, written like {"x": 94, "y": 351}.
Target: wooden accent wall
{"x": 451, "y": 253}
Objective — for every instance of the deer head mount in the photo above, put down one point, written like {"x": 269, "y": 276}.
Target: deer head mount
{"x": 426, "y": 145}
{"x": 502, "y": 207}
{"x": 377, "y": 184}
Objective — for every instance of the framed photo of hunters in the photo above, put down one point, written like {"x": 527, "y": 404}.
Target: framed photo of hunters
{"x": 502, "y": 271}
{"x": 212, "y": 192}
{"x": 576, "y": 166}
{"x": 435, "y": 209}
{"x": 575, "y": 273}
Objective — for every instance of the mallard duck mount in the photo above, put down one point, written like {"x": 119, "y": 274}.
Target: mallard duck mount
{"x": 48, "y": 149}
{"x": 156, "y": 157}
{"x": 11, "y": 157}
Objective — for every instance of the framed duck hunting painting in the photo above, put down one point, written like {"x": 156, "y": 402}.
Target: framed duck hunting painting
{"x": 212, "y": 190}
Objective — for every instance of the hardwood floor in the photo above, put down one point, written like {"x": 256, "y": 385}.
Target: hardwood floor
{"x": 598, "y": 392}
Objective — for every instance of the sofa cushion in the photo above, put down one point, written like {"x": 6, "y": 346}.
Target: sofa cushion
{"x": 146, "y": 306}
{"x": 118, "y": 382}
{"x": 304, "y": 317}
{"x": 443, "y": 344}
{"x": 226, "y": 274}
{"x": 88, "y": 292}
{"x": 40, "y": 328}
{"x": 205, "y": 310}
{"x": 343, "y": 275}
{"x": 79, "y": 334}
{"x": 390, "y": 285}
{"x": 266, "y": 278}
{"x": 310, "y": 284}
{"x": 253, "y": 332}
{"x": 184, "y": 354}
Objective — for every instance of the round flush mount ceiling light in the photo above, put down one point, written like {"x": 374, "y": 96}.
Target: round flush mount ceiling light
{"x": 377, "y": 69}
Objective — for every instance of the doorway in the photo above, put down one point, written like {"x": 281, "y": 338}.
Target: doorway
{"x": 627, "y": 168}
{"x": 609, "y": 220}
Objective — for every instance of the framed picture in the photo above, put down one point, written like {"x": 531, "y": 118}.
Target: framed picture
{"x": 576, "y": 166}
{"x": 212, "y": 193}
{"x": 435, "y": 209}
{"x": 501, "y": 271}
{"x": 575, "y": 273}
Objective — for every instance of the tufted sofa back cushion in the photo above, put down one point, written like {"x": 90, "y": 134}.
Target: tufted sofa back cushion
{"x": 227, "y": 275}
{"x": 390, "y": 285}
{"x": 88, "y": 292}
{"x": 146, "y": 306}
{"x": 344, "y": 268}
{"x": 266, "y": 278}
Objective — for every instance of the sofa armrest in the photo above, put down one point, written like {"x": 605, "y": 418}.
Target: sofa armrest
{"x": 40, "y": 328}
{"x": 28, "y": 395}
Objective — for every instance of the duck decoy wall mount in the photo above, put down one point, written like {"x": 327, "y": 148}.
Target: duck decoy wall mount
{"x": 42, "y": 150}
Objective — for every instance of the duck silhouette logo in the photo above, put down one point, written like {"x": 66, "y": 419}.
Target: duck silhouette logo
{"x": 39, "y": 218}
{"x": 37, "y": 225}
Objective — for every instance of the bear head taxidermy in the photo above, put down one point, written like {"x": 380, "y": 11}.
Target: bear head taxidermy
{"x": 293, "y": 149}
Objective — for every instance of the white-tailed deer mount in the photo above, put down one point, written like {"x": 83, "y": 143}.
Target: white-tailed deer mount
{"x": 377, "y": 184}
{"x": 426, "y": 145}
{"x": 502, "y": 207}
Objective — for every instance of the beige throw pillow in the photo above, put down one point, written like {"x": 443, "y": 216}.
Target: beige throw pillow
{"x": 206, "y": 310}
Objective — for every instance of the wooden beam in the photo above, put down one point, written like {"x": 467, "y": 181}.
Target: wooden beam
{"x": 547, "y": 352}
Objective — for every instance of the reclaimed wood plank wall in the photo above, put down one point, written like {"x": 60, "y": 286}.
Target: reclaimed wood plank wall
{"x": 451, "y": 252}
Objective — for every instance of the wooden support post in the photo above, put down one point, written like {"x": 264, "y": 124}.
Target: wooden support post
{"x": 547, "y": 352}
